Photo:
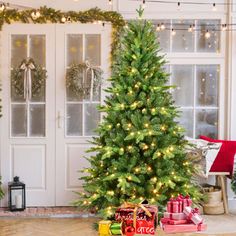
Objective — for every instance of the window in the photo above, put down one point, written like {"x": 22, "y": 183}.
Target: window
{"x": 197, "y": 82}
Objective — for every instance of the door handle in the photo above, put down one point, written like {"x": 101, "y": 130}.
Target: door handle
{"x": 59, "y": 120}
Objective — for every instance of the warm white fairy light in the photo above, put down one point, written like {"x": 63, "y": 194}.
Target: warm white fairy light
{"x": 110, "y": 2}
{"x": 207, "y": 34}
{"x": 224, "y": 27}
{"x": 2, "y": 7}
{"x": 144, "y": 4}
{"x": 158, "y": 28}
{"x": 173, "y": 32}
{"x": 214, "y": 7}
{"x": 63, "y": 19}
{"x": 178, "y": 6}
{"x": 190, "y": 29}
{"x": 162, "y": 26}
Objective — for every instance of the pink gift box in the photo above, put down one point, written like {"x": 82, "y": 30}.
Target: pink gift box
{"x": 183, "y": 228}
{"x": 193, "y": 215}
{"x": 173, "y": 222}
{"x": 175, "y": 216}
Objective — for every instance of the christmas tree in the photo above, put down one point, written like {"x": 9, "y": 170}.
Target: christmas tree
{"x": 140, "y": 151}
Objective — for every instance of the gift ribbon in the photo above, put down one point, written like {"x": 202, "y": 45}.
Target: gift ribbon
{"x": 27, "y": 66}
{"x": 136, "y": 206}
{"x": 91, "y": 69}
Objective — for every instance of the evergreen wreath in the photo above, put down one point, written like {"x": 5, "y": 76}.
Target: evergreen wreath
{"x": 233, "y": 183}
{"x": 38, "y": 73}
{"x": 77, "y": 80}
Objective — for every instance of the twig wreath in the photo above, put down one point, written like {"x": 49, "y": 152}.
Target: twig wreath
{"x": 28, "y": 79}
{"x": 84, "y": 79}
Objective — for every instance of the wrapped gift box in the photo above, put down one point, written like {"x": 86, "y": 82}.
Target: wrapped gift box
{"x": 173, "y": 222}
{"x": 143, "y": 217}
{"x": 183, "y": 228}
{"x": 175, "y": 216}
{"x": 193, "y": 215}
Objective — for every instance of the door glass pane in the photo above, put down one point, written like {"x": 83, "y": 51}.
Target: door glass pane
{"x": 183, "y": 41}
{"x": 186, "y": 121}
{"x": 210, "y": 42}
{"x": 92, "y": 117}
{"x": 74, "y": 48}
{"x": 93, "y": 49}
{"x": 207, "y": 123}
{"x": 38, "y": 95}
{"x": 38, "y": 49}
{"x": 207, "y": 85}
{"x": 18, "y": 49}
{"x": 19, "y": 120}
{"x": 37, "y": 120}
{"x": 74, "y": 119}
{"x": 17, "y": 87}
{"x": 96, "y": 95}
{"x": 163, "y": 36}
{"x": 182, "y": 78}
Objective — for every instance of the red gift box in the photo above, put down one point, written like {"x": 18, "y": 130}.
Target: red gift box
{"x": 177, "y": 205}
{"x": 143, "y": 217}
{"x": 193, "y": 215}
{"x": 183, "y": 228}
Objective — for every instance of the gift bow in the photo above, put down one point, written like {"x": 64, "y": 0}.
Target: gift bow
{"x": 27, "y": 66}
{"x": 194, "y": 212}
{"x": 90, "y": 68}
{"x": 136, "y": 206}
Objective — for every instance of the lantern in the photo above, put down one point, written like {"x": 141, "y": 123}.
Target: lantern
{"x": 16, "y": 194}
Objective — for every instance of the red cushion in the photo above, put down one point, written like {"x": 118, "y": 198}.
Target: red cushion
{"x": 224, "y": 161}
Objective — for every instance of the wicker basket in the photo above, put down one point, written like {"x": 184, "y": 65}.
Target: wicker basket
{"x": 213, "y": 196}
{"x": 215, "y": 209}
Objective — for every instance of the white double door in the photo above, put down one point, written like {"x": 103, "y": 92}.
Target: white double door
{"x": 44, "y": 139}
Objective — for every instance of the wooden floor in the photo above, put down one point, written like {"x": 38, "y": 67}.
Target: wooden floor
{"x": 84, "y": 227}
{"x": 47, "y": 227}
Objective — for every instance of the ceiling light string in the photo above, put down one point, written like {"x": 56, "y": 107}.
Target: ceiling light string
{"x": 178, "y": 3}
